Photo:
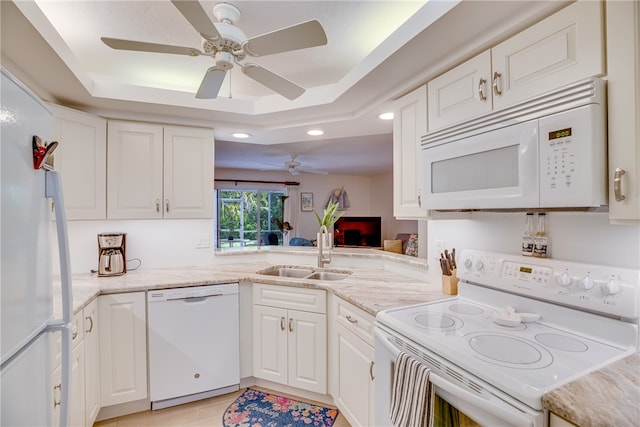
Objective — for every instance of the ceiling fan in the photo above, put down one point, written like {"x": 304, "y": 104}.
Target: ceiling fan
{"x": 228, "y": 45}
{"x": 294, "y": 167}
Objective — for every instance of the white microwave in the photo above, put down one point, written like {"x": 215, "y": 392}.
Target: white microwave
{"x": 549, "y": 152}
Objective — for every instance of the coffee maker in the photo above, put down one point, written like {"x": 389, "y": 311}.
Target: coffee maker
{"x": 111, "y": 254}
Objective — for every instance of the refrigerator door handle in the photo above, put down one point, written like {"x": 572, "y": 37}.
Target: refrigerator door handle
{"x": 53, "y": 189}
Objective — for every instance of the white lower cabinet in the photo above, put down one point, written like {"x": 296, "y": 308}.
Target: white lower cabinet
{"x": 557, "y": 421}
{"x": 123, "y": 348}
{"x": 91, "y": 362}
{"x": 290, "y": 345}
{"x": 352, "y": 362}
{"x": 76, "y": 409}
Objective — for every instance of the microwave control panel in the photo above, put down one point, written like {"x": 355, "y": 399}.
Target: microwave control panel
{"x": 573, "y": 158}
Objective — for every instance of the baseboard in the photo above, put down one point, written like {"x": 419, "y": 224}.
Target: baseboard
{"x": 113, "y": 411}
{"x": 161, "y": 404}
{"x": 325, "y": 399}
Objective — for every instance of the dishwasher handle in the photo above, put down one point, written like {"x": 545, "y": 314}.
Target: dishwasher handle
{"x": 194, "y": 299}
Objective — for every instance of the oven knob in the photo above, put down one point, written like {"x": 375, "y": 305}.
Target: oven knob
{"x": 479, "y": 265}
{"x": 612, "y": 287}
{"x": 468, "y": 263}
{"x": 586, "y": 283}
{"x": 564, "y": 279}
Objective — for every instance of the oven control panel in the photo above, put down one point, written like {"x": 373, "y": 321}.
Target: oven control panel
{"x": 599, "y": 288}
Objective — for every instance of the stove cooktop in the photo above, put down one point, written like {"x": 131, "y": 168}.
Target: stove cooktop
{"x": 524, "y": 360}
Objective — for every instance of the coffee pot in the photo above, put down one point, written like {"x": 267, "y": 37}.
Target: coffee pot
{"x": 111, "y": 254}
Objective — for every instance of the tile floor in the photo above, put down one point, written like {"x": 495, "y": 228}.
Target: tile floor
{"x": 207, "y": 412}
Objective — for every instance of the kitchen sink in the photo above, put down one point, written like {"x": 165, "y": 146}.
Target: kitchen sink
{"x": 286, "y": 271}
{"x": 327, "y": 275}
{"x": 304, "y": 273}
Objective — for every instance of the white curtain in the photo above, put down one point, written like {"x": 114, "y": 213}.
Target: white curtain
{"x": 291, "y": 209}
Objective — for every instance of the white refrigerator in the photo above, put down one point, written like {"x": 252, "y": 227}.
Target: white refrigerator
{"x": 28, "y": 395}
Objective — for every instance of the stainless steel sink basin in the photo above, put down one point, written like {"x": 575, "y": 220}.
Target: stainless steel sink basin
{"x": 286, "y": 272}
{"x": 327, "y": 275}
{"x": 304, "y": 273}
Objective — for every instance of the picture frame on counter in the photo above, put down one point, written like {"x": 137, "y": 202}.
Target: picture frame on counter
{"x": 306, "y": 202}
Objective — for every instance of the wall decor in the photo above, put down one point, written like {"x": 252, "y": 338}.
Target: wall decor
{"x": 306, "y": 202}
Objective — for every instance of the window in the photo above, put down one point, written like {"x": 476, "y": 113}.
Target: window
{"x": 249, "y": 217}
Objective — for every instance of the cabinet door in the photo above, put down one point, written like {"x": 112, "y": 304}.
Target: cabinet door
{"x": 623, "y": 91}
{"x": 81, "y": 159}
{"x": 307, "y": 351}
{"x": 188, "y": 172}
{"x": 270, "y": 343}
{"x": 123, "y": 348}
{"x": 566, "y": 47}
{"x": 77, "y": 403}
{"x": 134, "y": 171}
{"x": 409, "y": 124}
{"x": 91, "y": 362}
{"x": 461, "y": 93}
{"x": 355, "y": 378}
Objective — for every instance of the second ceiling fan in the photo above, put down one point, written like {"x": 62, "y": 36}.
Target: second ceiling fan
{"x": 228, "y": 45}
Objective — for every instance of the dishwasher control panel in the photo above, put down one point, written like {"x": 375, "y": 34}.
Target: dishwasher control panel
{"x": 202, "y": 291}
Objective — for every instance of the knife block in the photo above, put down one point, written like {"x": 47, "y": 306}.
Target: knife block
{"x": 450, "y": 283}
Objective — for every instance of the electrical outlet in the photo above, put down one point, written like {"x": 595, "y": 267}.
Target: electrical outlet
{"x": 202, "y": 241}
{"x": 440, "y": 246}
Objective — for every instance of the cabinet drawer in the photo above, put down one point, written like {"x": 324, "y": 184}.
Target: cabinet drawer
{"x": 355, "y": 320}
{"x": 289, "y": 297}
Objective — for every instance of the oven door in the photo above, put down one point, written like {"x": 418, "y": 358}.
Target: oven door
{"x": 492, "y": 170}
{"x": 455, "y": 405}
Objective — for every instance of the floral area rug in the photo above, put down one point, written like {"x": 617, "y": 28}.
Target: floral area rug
{"x": 254, "y": 408}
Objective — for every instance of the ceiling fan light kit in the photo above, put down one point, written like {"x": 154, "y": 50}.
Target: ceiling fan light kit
{"x": 228, "y": 45}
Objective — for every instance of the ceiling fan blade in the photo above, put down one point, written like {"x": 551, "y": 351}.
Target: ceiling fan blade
{"x": 149, "y": 47}
{"x": 273, "y": 81}
{"x": 316, "y": 171}
{"x": 211, "y": 83}
{"x": 194, "y": 13}
{"x": 299, "y": 36}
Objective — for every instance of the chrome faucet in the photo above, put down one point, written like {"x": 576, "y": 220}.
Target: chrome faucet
{"x": 324, "y": 243}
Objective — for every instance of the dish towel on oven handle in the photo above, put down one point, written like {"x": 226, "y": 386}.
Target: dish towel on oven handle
{"x": 413, "y": 395}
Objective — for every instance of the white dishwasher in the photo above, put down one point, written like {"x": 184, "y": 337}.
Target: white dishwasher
{"x": 193, "y": 343}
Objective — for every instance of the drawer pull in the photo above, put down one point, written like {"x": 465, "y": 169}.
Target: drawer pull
{"x": 290, "y": 325}
{"x": 282, "y": 323}
{"x": 90, "y": 319}
{"x": 74, "y": 335}
{"x": 481, "y": 86}
{"x": 617, "y": 184}
{"x": 371, "y": 370}
{"x": 157, "y": 205}
{"x": 351, "y": 319}
{"x": 167, "y": 204}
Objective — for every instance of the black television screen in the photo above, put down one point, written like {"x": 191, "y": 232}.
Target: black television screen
{"x": 358, "y": 231}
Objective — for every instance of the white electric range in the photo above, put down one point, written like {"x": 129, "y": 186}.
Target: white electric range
{"x": 518, "y": 328}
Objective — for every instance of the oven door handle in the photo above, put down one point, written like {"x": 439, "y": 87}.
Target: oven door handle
{"x": 514, "y": 417}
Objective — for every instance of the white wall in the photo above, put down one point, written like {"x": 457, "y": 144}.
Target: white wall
{"x": 573, "y": 236}
{"x": 369, "y": 196}
{"x": 157, "y": 243}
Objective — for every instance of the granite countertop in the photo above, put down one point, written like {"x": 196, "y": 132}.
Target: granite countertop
{"x": 607, "y": 397}
{"x": 372, "y": 290}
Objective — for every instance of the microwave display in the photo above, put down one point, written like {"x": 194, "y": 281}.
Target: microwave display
{"x": 562, "y": 133}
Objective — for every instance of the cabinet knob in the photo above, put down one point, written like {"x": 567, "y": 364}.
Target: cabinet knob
{"x": 496, "y": 78}
{"x": 617, "y": 184}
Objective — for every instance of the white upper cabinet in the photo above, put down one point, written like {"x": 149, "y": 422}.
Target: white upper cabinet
{"x": 81, "y": 160}
{"x": 188, "y": 172}
{"x": 563, "y": 48}
{"x": 623, "y": 74}
{"x": 159, "y": 172}
{"x": 409, "y": 124}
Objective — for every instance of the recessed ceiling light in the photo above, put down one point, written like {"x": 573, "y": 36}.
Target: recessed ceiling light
{"x": 386, "y": 116}
{"x": 315, "y": 132}
{"x": 242, "y": 135}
